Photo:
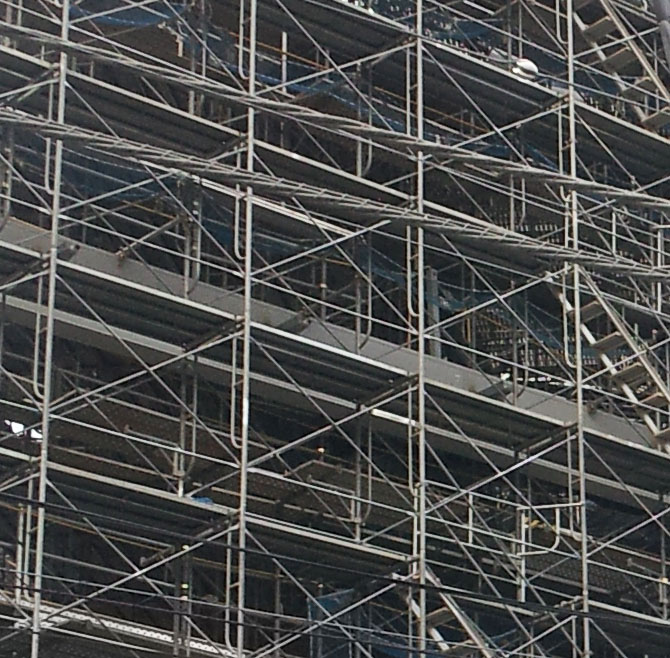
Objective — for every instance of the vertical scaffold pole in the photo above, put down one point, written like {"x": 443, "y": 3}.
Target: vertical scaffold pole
{"x": 579, "y": 374}
{"x": 421, "y": 344}
{"x": 246, "y": 340}
{"x": 48, "y": 348}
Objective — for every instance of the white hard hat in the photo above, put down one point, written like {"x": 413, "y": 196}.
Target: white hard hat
{"x": 525, "y": 68}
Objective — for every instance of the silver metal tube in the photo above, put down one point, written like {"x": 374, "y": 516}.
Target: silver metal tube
{"x": 49, "y": 343}
{"x": 421, "y": 340}
{"x": 579, "y": 374}
{"x": 20, "y": 541}
{"x": 246, "y": 344}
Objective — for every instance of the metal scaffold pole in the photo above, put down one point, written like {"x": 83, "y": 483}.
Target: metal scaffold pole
{"x": 574, "y": 222}
{"x": 420, "y": 311}
{"x": 48, "y": 373}
{"x": 333, "y": 328}
{"x": 246, "y": 342}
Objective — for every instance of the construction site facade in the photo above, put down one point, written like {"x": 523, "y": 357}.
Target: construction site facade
{"x": 334, "y": 329}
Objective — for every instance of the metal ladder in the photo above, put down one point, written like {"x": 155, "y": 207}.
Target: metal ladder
{"x": 447, "y": 611}
{"x": 618, "y": 54}
{"x": 633, "y": 375}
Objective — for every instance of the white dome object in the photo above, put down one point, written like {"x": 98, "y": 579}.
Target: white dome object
{"x": 525, "y": 68}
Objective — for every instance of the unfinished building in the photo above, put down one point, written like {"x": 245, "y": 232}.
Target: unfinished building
{"x": 334, "y": 329}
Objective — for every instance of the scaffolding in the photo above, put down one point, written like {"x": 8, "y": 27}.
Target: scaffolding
{"x": 334, "y": 329}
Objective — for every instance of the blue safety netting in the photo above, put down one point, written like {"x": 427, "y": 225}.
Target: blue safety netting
{"x": 364, "y": 624}
{"x": 123, "y": 14}
{"x": 96, "y": 176}
{"x": 380, "y": 109}
{"x": 483, "y": 36}
{"x": 90, "y": 177}
{"x": 370, "y": 625}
